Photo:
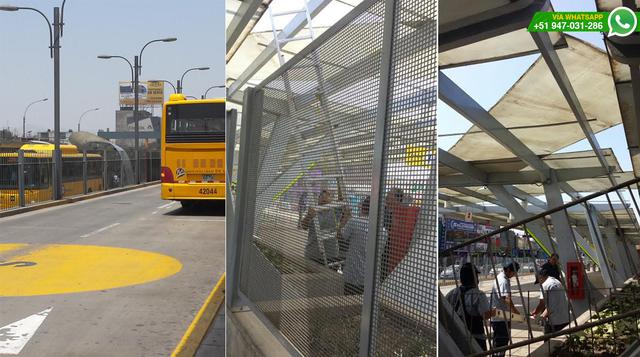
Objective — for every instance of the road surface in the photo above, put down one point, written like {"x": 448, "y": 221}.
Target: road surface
{"x": 120, "y": 275}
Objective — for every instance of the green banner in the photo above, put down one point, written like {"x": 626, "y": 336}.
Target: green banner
{"x": 620, "y": 22}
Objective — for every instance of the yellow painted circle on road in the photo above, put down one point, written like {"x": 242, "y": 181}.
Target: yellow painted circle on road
{"x": 28, "y": 270}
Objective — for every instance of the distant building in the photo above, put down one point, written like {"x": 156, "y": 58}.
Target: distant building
{"x": 48, "y": 136}
{"x": 125, "y": 123}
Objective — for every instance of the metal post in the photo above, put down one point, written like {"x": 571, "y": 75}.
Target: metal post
{"x": 564, "y": 235}
{"x": 232, "y": 118}
{"x": 243, "y": 220}
{"x": 21, "y": 197}
{"x": 84, "y": 172}
{"x": 105, "y": 171}
{"x": 136, "y": 83}
{"x": 608, "y": 277}
{"x": 179, "y": 86}
{"x": 121, "y": 172}
{"x": 57, "y": 182}
{"x": 371, "y": 259}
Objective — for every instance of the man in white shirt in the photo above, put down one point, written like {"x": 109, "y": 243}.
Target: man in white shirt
{"x": 501, "y": 300}
{"x": 556, "y": 313}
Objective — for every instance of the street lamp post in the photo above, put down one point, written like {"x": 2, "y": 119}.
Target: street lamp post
{"x": 181, "y": 81}
{"x": 55, "y": 32}
{"x": 137, "y": 68}
{"x": 90, "y": 110}
{"x": 24, "y": 116}
{"x": 210, "y": 88}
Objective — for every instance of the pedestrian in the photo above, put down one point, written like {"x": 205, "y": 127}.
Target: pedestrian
{"x": 355, "y": 232}
{"x": 501, "y": 300}
{"x": 552, "y": 268}
{"x": 302, "y": 206}
{"x": 556, "y": 311}
{"x": 471, "y": 304}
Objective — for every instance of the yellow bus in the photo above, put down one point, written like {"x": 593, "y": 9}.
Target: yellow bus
{"x": 38, "y": 174}
{"x": 193, "y": 150}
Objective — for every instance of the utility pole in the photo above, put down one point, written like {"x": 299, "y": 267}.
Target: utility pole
{"x": 57, "y": 177}
{"x": 136, "y": 79}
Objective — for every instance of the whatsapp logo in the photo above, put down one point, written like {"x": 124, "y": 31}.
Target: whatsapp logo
{"x": 622, "y": 21}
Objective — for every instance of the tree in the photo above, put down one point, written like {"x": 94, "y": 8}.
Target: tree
{"x": 6, "y": 135}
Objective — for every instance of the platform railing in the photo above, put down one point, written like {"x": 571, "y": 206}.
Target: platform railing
{"x": 26, "y": 176}
{"x": 616, "y": 261}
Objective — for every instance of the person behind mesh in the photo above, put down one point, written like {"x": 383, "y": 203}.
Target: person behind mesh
{"x": 501, "y": 300}
{"x": 556, "y": 312}
{"x": 312, "y": 249}
{"x": 302, "y": 206}
{"x": 553, "y": 270}
{"x": 471, "y": 304}
{"x": 355, "y": 232}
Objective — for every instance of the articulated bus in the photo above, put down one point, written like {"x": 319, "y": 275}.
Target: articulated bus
{"x": 193, "y": 150}
{"x": 38, "y": 173}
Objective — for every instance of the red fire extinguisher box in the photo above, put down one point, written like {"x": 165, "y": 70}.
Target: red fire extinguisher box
{"x": 575, "y": 280}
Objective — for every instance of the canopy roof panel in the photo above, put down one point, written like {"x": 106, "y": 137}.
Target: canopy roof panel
{"x": 535, "y": 104}
{"x": 261, "y": 37}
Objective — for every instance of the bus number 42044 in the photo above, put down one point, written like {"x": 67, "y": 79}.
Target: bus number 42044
{"x": 208, "y": 191}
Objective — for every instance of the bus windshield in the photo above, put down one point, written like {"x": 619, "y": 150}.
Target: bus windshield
{"x": 198, "y": 122}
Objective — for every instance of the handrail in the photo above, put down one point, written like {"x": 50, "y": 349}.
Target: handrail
{"x": 540, "y": 215}
{"x": 568, "y": 331}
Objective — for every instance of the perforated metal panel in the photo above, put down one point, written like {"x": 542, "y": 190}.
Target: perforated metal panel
{"x": 405, "y": 291}
{"x": 308, "y": 187}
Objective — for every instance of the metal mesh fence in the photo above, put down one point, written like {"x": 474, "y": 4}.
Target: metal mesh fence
{"x": 405, "y": 291}
{"x": 578, "y": 260}
{"x": 26, "y": 177}
{"x": 303, "y": 262}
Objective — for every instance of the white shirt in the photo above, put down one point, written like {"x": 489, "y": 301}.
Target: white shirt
{"x": 556, "y": 301}
{"x": 499, "y": 291}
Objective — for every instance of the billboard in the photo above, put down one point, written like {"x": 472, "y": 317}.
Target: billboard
{"x": 149, "y": 93}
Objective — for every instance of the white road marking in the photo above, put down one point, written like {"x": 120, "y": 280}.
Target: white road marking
{"x": 99, "y": 230}
{"x": 167, "y": 205}
{"x": 16, "y": 335}
{"x": 154, "y": 212}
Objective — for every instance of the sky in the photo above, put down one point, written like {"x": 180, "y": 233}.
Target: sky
{"x": 113, "y": 27}
{"x": 488, "y": 82}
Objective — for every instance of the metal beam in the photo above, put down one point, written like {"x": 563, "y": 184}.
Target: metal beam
{"x": 519, "y": 213}
{"x": 448, "y": 198}
{"x": 521, "y": 177}
{"x": 296, "y": 25}
{"x": 566, "y": 246}
{"x": 475, "y": 194}
{"x": 511, "y": 17}
{"x": 598, "y": 207}
{"x": 462, "y": 166}
{"x": 610, "y": 280}
{"x": 461, "y": 102}
{"x": 543, "y": 41}
{"x": 526, "y": 197}
{"x": 241, "y": 19}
